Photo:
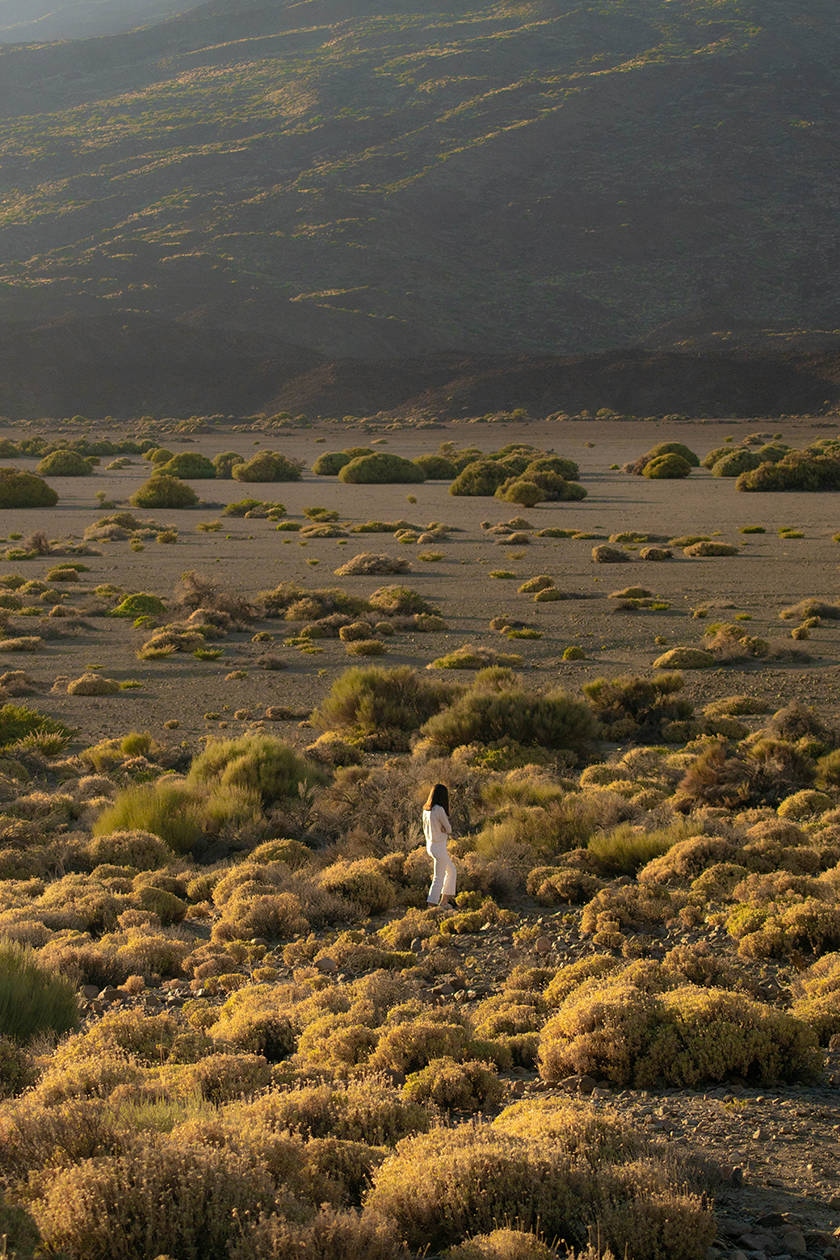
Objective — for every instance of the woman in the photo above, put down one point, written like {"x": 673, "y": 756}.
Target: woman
{"x": 436, "y": 827}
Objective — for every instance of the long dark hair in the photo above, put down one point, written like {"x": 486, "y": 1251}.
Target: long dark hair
{"x": 439, "y": 795}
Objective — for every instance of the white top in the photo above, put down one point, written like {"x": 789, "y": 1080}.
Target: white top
{"x": 436, "y": 825}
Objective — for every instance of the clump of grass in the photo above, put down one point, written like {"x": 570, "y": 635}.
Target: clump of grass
{"x": 752, "y": 529}
{"x": 502, "y": 574}
{"x": 32, "y": 999}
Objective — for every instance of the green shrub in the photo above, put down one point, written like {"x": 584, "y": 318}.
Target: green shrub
{"x": 497, "y": 710}
{"x": 666, "y": 467}
{"x": 17, "y": 1073}
{"x": 158, "y": 455}
{"x": 168, "y": 809}
{"x": 375, "y": 702}
{"x": 18, "y": 1231}
{"x": 380, "y": 469}
{"x": 482, "y": 478}
{"x": 64, "y": 463}
{"x": 524, "y": 492}
{"x": 32, "y": 999}
{"x": 817, "y": 997}
{"x": 224, "y": 462}
{"x": 141, "y": 604}
{"x": 641, "y": 707}
{"x": 557, "y": 464}
{"x": 330, "y": 463}
{"x": 624, "y": 851}
{"x": 663, "y": 449}
{"x": 162, "y": 491}
{"x": 797, "y": 470}
{"x": 189, "y": 464}
{"x": 17, "y": 722}
{"x": 24, "y": 490}
{"x": 268, "y": 466}
{"x": 735, "y": 462}
{"x": 436, "y": 467}
{"x": 258, "y": 763}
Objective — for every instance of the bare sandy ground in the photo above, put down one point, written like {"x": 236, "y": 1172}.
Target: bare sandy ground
{"x": 247, "y": 556}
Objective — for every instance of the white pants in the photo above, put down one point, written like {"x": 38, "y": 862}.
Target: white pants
{"x": 443, "y": 881}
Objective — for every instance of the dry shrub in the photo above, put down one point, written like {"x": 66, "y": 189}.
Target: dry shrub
{"x": 550, "y": 885}
{"x": 632, "y": 907}
{"x": 138, "y": 849}
{"x": 817, "y": 997}
{"x": 161, "y": 1198}
{"x": 332, "y": 1235}
{"x": 369, "y": 563}
{"x": 502, "y": 1244}
{"x": 410, "y": 1046}
{"x": 277, "y": 916}
{"x": 627, "y": 1029}
{"x": 223, "y": 1077}
{"x": 468, "y": 1086}
{"x": 687, "y": 859}
{"x": 363, "y": 882}
{"x": 760, "y": 771}
{"x": 369, "y": 1109}
{"x": 34, "y": 1137}
{"x": 553, "y": 1167}
{"x": 95, "y": 1077}
{"x": 93, "y": 685}
{"x": 570, "y": 978}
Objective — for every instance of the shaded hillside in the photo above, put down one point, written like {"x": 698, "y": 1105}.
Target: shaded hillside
{"x": 24, "y": 21}
{"x": 101, "y": 367}
{"x": 535, "y": 179}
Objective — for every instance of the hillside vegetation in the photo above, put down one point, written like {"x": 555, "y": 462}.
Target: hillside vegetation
{"x": 342, "y": 180}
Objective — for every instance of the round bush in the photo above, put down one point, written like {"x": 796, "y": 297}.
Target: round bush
{"x": 139, "y": 605}
{"x": 257, "y": 762}
{"x": 224, "y": 463}
{"x": 162, "y": 491}
{"x": 24, "y": 490}
{"x": 736, "y": 462}
{"x": 268, "y": 466}
{"x": 525, "y": 493}
{"x": 178, "y": 1199}
{"x": 469, "y": 1086}
{"x": 436, "y": 467}
{"x": 629, "y": 1033}
{"x": 482, "y": 477}
{"x": 64, "y": 463}
{"x": 666, "y": 467}
{"x": 189, "y": 464}
{"x": 138, "y": 849}
{"x": 381, "y": 469}
{"x": 668, "y": 448}
{"x": 330, "y": 463}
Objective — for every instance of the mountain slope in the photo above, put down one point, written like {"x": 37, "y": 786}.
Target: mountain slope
{"x": 532, "y": 179}
{"x": 26, "y": 21}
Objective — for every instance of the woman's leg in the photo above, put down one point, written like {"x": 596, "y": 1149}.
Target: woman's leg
{"x": 443, "y": 878}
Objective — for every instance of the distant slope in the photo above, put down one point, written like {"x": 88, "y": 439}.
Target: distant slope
{"x": 27, "y": 21}
{"x": 145, "y": 365}
{"x": 533, "y": 179}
